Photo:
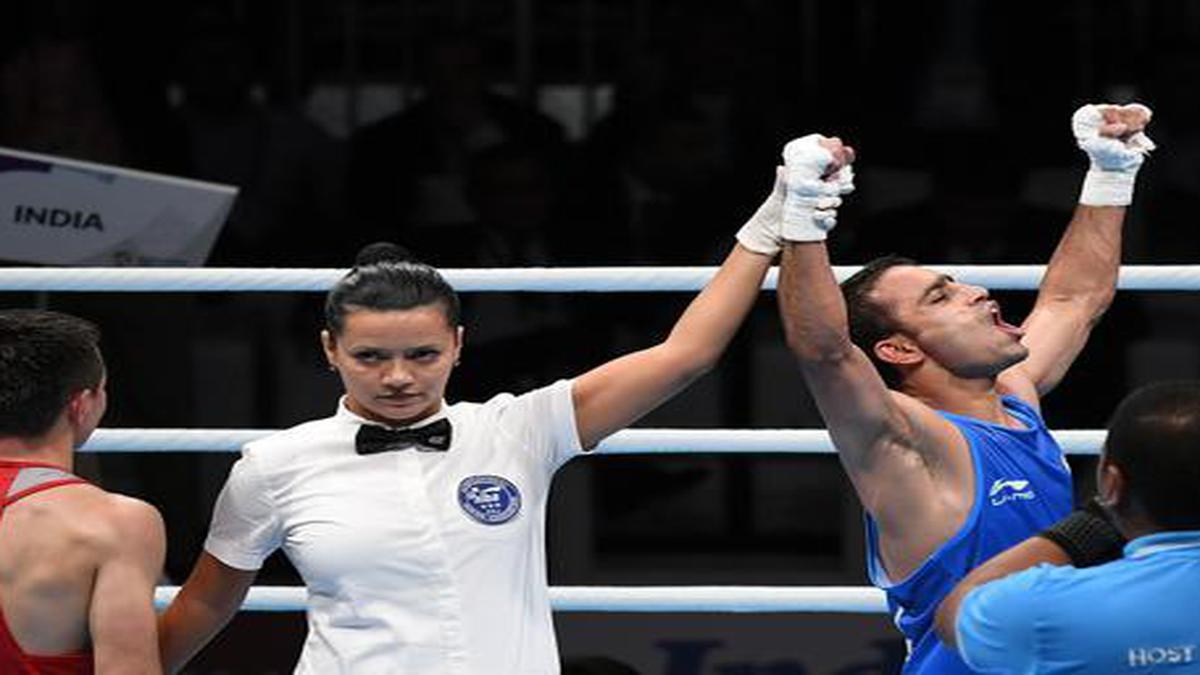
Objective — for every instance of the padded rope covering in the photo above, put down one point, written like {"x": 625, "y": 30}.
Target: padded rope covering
{"x": 722, "y": 599}
{"x": 629, "y": 441}
{"x": 528, "y": 279}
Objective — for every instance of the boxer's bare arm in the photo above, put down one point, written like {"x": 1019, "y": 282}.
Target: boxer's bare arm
{"x": 1079, "y": 285}
{"x": 879, "y": 433}
{"x": 121, "y": 620}
{"x": 882, "y": 437}
{"x": 1081, "y": 278}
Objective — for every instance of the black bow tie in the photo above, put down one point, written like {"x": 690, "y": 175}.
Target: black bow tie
{"x": 433, "y": 437}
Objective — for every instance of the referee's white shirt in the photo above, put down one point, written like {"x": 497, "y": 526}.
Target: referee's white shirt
{"x": 403, "y": 574}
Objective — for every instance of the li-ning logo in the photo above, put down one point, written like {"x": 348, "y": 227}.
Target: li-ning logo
{"x": 1004, "y": 491}
{"x": 1145, "y": 657}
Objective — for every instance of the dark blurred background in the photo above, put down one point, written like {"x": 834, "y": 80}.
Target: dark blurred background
{"x": 579, "y": 132}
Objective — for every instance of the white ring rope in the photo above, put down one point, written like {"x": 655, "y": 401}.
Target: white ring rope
{"x": 629, "y": 441}
{"x": 530, "y": 279}
{"x": 841, "y": 599}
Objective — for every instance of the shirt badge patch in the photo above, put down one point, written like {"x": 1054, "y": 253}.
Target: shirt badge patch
{"x": 491, "y": 500}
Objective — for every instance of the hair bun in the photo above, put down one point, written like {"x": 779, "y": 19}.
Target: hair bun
{"x": 382, "y": 252}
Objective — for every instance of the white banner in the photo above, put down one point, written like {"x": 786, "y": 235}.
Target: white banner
{"x": 64, "y": 212}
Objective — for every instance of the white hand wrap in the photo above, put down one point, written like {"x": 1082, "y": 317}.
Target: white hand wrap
{"x": 761, "y": 233}
{"x": 810, "y": 207}
{"x": 1114, "y": 161}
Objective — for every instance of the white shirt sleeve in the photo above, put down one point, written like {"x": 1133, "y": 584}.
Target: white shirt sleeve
{"x": 245, "y": 527}
{"x": 544, "y": 419}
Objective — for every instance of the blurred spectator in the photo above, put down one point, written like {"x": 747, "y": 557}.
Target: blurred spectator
{"x": 54, "y": 102}
{"x": 410, "y": 169}
{"x": 64, "y": 92}
{"x": 289, "y": 171}
{"x": 659, "y": 195}
{"x": 1168, "y": 347}
{"x": 513, "y": 196}
{"x": 971, "y": 215}
{"x": 1174, "y": 194}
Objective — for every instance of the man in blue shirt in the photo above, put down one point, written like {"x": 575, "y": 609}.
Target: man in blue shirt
{"x": 1036, "y": 608}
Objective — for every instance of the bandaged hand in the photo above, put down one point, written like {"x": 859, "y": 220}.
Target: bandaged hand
{"x": 761, "y": 233}
{"x": 1113, "y": 138}
{"x": 818, "y": 172}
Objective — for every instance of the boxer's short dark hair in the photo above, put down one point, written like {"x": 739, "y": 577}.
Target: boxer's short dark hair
{"x": 45, "y": 359}
{"x": 870, "y": 320}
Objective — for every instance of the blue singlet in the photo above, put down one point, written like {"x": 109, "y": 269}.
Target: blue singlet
{"x": 1022, "y": 486}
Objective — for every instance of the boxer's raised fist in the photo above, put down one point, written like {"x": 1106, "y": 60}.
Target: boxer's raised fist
{"x": 818, "y": 172}
{"x": 1114, "y": 139}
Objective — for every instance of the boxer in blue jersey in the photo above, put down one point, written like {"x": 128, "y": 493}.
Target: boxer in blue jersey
{"x": 1042, "y": 607}
{"x": 931, "y": 398}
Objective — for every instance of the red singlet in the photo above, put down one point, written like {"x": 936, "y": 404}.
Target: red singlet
{"x": 17, "y": 480}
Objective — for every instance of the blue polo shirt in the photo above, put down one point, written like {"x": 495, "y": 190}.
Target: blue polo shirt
{"x": 1139, "y": 614}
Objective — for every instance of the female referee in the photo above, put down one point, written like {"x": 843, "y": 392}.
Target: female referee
{"x": 417, "y": 526}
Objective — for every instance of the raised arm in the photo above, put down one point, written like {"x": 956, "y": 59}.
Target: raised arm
{"x": 121, "y": 617}
{"x": 862, "y": 415}
{"x": 870, "y": 425}
{"x": 614, "y": 395}
{"x": 1081, "y": 278}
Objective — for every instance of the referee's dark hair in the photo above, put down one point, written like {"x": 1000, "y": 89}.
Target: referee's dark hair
{"x": 386, "y": 278}
{"x": 45, "y": 359}
{"x": 1154, "y": 439}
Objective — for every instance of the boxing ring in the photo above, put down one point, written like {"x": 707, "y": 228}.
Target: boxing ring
{"x": 839, "y": 599}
